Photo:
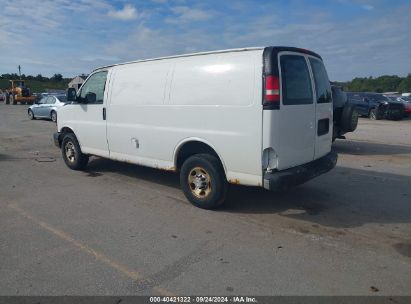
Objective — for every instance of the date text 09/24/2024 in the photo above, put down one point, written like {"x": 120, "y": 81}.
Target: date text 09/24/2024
{"x": 205, "y": 299}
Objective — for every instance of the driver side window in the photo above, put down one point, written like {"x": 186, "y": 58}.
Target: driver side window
{"x": 94, "y": 85}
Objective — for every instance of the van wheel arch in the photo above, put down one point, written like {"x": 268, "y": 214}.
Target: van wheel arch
{"x": 63, "y": 132}
{"x": 190, "y": 148}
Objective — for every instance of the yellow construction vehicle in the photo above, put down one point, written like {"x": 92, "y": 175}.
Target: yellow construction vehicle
{"x": 18, "y": 92}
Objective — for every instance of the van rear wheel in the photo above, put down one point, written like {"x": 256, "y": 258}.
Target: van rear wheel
{"x": 72, "y": 155}
{"x": 203, "y": 181}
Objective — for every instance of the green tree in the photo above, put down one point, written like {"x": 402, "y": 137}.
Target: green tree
{"x": 39, "y": 77}
{"x": 385, "y": 83}
{"x": 405, "y": 85}
{"x": 57, "y": 77}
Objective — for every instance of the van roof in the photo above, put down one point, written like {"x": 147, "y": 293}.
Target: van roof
{"x": 184, "y": 55}
{"x": 210, "y": 52}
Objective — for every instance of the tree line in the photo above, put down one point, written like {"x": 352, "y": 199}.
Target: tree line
{"x": 14, "y": 76}
{"x": 385, "y": 83}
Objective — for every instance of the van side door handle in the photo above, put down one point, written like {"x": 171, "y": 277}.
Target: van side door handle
{"x": 104, "y": 113}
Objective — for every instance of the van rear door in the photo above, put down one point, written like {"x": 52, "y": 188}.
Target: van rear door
{"x": 293, "y": 133}
{"x": 296, "y": 126}
{"x": 323, "y": 107}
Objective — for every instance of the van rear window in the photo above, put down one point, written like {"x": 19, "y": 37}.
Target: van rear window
{"x": 295, "y": 78}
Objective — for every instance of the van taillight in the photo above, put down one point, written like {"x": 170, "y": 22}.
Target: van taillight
{"x": 272, "y": 89}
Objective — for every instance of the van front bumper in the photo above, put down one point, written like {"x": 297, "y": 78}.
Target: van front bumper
{"x": 280, "y": 180}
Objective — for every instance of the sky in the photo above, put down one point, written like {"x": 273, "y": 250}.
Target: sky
{"x": 356, "y": 38}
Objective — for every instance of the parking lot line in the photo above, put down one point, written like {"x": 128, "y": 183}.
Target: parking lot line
{"x": 86, "y": 249}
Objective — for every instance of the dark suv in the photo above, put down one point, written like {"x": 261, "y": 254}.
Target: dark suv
{"x": 376, "y": 106}
{"x": 345, "y": 114}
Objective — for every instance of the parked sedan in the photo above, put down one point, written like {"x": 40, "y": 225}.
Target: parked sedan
{"x": 376, "y": 106}
{"x": 406, "y": 100}
{"x": 47, "y": 107}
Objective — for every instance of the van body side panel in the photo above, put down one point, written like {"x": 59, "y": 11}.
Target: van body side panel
{"x": 136, "y": 115}
{"x": 219, "y": 98}
{"x": 215, "y": 97}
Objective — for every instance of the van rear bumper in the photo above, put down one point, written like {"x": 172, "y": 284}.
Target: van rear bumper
{"x": 280, "y": 180}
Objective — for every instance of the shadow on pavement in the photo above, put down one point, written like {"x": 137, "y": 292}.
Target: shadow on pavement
{"x": 368, "y": 148}
{"x": 98, "y": 166}
{"x": 342, "y": 198}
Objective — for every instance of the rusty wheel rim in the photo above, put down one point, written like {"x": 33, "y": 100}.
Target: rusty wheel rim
{"x": 70, "y": 152}
{"x": 199, "y": 182}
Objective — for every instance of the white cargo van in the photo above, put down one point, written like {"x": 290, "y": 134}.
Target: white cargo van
{"x": 255, "y": 116}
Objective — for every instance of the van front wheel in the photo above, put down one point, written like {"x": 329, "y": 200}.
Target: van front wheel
{"x": 203, "y": 181}
{"x": 72, "y": 155}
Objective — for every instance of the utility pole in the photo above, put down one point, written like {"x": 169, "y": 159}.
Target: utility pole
{"x": 20, "y": 71}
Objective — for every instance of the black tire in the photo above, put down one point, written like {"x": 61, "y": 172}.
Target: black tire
{"x": 206, "y": 191}
{"x": 31, "y": 114}
{"x": 53, "y": 116}
{"x": 70, "y": 146}
{"x": 374, "y": 114}
{"x": 349, "y": 118}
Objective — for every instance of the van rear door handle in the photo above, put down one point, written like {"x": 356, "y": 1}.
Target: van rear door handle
{"x": 104, "y": 113}
{"x": 323, "y": 126}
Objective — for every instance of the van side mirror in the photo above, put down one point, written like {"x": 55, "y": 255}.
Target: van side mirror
{"x": 71, "y": 94}
{"x": 91, "y": 97}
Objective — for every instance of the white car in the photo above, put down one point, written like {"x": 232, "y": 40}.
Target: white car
{"x": 47, "y": 107}
{"x": 257, "y": 116}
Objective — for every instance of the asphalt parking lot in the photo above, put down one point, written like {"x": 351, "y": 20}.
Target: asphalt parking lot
{"x": 121, "y": 229}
